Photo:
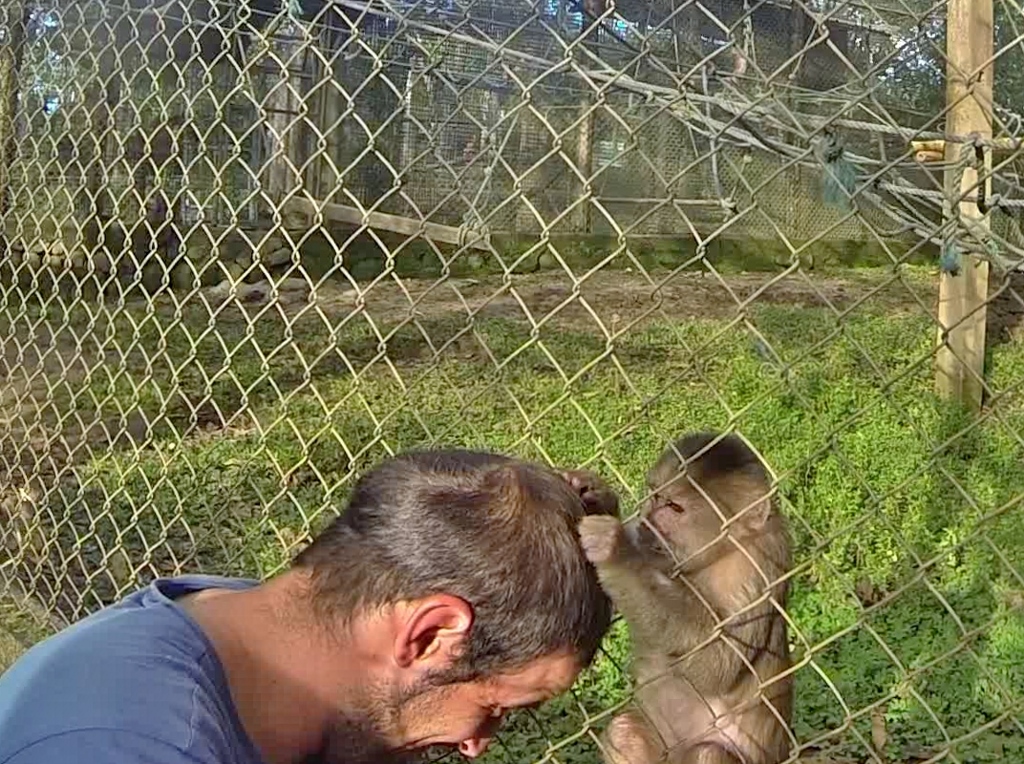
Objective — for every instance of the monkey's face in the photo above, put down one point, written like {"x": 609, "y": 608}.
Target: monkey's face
{"x": 679, "y": 514}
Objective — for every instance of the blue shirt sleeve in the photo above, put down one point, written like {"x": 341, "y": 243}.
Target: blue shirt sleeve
{"x": 101, "y": 746}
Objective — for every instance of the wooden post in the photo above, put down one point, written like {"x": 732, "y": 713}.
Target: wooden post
{"x": 282, "y": 105}
{"x": 585, "y": 163}
{"x": 960, "y": 359}
{"x": 12, "y": 52}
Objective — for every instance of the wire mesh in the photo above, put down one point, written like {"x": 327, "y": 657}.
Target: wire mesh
{"x": 251, "y": 248}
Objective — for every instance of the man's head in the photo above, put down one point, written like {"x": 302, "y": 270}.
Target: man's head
{"x": 468, "y": 567}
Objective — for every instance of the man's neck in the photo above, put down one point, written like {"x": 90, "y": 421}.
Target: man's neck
{"x": 272, "y": 666}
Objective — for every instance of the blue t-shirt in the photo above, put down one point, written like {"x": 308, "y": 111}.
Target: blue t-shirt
{"x": 135, "y": 683}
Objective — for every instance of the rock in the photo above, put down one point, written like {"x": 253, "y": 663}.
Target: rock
{"x": 231, "y": 270}
{"x": 276, "y": 257}
{"x": 183, "y": 278}
{"x": 236, "y": 248}
{"x": 114, "y": 237}
{"x": 293, "y": 285}
{"x": 547, "y": 261}
{"x": 152, "y": 276}
{"x": 33, "y": 260}
{"x": 198, "y": 248}
{"x": 101, "y": 262}
{"x": 293, "y": 290}
{"x": 119, "y": 568}
{"x": 57, "y": 248}
{"x": 257, "y": 292}
{"x": 78, "y": 260}
{"x": 55, "y": 261}
{"x": 271, "y": 243}
{"x": 528, "y": 264}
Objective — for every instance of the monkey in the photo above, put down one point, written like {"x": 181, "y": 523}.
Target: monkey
{"x": 712, "y": 550}
{"x": 597, "y": 497}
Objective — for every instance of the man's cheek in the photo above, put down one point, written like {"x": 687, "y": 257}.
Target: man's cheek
{"x": 490, "y": 726}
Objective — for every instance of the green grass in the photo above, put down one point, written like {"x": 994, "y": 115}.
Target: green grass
{"x": 10, "y": 649}
{"x": 18, "y": 630}
{"x": 885, "y": 492}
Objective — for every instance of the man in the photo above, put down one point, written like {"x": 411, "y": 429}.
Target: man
{"x": 451, "y": 590}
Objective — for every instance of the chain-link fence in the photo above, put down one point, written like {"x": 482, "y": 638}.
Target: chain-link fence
{"x": 251, "y": 248}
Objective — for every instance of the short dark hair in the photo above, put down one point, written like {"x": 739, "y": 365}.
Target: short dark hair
{"x": 727, "y": 456}
{"x": 499, "y": 532}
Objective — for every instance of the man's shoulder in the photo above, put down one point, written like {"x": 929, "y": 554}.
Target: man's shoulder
{"x": 138, "y": 670}
{"x": 106, "y": 745}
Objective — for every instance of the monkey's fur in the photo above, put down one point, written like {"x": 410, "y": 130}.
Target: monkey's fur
{"x": 673, "y": 601}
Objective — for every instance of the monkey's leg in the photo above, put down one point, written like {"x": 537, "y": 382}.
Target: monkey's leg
{"x": 629, "y": 740}
{"x": 708, "y": 753}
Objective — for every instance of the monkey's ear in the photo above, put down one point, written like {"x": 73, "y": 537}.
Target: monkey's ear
{"x": 760, "y": 513}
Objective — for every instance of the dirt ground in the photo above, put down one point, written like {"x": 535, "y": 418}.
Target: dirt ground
{"x": 36, "y": 354}
{"x": 39, "y": 355}
{"x": 617, "y": 298}
{"x": 629, "y": 297}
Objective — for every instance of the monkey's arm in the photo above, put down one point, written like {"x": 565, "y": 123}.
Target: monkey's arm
{"x": 667, "y": 617}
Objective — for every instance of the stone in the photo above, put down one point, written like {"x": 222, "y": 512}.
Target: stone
{"x": 293, "y": 285}
{"x": 231, "y": 270}
{"x": 152, "y": 276}
{"x": 527, "y": 264}
{"x": 276, "y": 257}
{"x": 199, "y": 249}
{"x": 101, "y": 262}
{"x": 183, "y": 278}
{"x": 257, "y": 292}
{"x": 79, "y": 259}
{"x": 236, "y": 248}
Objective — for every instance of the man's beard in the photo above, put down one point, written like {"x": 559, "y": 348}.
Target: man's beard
{"x": 367, "y": 734}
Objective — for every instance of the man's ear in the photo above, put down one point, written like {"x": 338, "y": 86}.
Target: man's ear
{"x": 432, "y": 631}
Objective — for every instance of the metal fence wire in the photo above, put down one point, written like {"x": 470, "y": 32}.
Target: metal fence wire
{"x": 251, "y": 248}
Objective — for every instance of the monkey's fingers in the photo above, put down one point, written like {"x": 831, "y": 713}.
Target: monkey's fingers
{"x": 600, "y": 537}
{"x": 597, "y": 497}
{"x": 628, "y": 740}
{"x": 601, "y": 502}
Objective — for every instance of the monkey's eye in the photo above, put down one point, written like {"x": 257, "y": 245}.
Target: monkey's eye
{"x": 677, "y": 508}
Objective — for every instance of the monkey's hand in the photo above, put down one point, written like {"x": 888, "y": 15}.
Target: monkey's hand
{"x": 597, "y": 497}
{"x": 602, "y": 538}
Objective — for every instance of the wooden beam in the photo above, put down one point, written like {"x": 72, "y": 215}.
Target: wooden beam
{"x": 342, "y": 213}
{"x": 960, "y": 358}
{"x": 935, "y": 150}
